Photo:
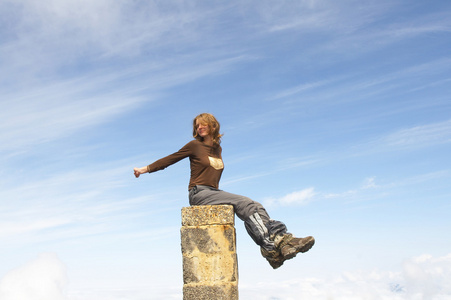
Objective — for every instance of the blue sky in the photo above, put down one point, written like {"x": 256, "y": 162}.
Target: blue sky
{"x": 336, "y": 116}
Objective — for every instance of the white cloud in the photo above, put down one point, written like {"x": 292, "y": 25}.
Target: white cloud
{"x": 301, "y": 197}
{"x": 428, "y": 277}
{"x": 369, "y": 183}
{"x": 421, "y": 278}
{"x": 44, "y": 278}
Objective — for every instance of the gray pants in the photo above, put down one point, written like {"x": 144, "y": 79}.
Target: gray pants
{"x": 258, "y": 224}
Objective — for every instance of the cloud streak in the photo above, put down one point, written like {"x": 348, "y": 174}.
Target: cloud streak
{"x": 40, "y": 115}
{"x": 417, "y": 137}
{"x": 420, "y": 136}
{"x": 369, "y": 189}
{"x": 76, "y": 204}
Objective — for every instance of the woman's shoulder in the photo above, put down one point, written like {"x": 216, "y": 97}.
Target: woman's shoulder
{"x": 193, "y": 144}
{"x": 196, "y": 142}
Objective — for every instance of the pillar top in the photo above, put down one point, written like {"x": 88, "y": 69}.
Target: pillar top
{"x": 201, "y": 215}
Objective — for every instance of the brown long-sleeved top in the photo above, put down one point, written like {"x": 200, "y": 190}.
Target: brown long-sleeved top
{"x": 205, "y": 163}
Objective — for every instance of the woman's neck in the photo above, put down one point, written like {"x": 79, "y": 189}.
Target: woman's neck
{"x": 208, "y": 140}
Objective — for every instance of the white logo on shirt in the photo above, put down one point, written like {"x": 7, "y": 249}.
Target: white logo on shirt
{"x": 216, "y": 163}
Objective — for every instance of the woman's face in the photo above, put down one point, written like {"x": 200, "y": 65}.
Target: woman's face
{"x": 203, "y": 129}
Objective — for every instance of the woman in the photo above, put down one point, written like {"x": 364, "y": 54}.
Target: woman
{"x": 206, "y": 165}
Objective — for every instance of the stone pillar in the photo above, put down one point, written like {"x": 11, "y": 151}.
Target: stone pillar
{"x": 210, "y": 266}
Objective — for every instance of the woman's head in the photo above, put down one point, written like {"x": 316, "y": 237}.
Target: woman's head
{"x": 211, "y": 125}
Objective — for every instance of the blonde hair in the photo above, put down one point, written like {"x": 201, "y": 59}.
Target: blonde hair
{"x": 213, "y": 124}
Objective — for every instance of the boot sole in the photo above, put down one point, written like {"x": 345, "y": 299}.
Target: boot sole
{"x": 304, "y": 248}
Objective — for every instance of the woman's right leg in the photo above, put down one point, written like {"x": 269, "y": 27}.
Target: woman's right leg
{"x": 244, "y": 207}
{"x": 276, "y": 244}
{"x": 259, "y": 225}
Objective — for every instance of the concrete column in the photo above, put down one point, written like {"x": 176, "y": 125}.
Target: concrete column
{"x": 210, "y": 266}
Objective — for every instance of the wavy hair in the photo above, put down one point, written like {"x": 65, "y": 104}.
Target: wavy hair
{"x": 213, "y": 125}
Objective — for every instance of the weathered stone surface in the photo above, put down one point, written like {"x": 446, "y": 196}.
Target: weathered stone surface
{"x": 208, "y": 239}
{"x": 209, "y": 253}
{"x": 208, "y": 215}
{"x": 210, "y": 292}
{"x": 210, "y": 267}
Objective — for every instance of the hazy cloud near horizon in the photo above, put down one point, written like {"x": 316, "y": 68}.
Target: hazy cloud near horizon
{"x": 423, "y": 277}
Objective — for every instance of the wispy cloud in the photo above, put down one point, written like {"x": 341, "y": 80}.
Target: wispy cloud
{"x": 43, "y": 102}
{"x": 397, "y": 140}
{"x": 314, "y": 20}
{"x": 369, "y": 188}
{"x": 301, "y": 197}
{"x": 305, "y": 87}
{"x": 76, "y": 204}
{"x": 56, "y": 34}
{"x": 379, "y": 188}
{"x": 45, "y": 118}
{"x": 96, "y": 27}
{"x": 416, "y": 137}
{"x": 39, "y": 115}
{"x": 357, "y": 88}
{"x": 13, "y": 228}
{"x": 366, "y": 34}
{"x": 322, "y": 17}
{"x": 420, "y": 136}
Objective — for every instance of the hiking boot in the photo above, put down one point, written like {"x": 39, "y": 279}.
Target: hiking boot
{"x": 289, "y": 246}
{"x": 274, "y": 257}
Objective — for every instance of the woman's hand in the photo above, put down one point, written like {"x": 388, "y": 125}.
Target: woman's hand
{"x": 139, "y": 171}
